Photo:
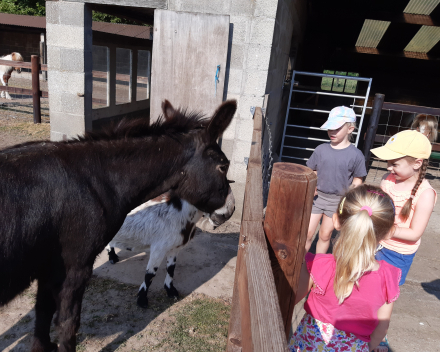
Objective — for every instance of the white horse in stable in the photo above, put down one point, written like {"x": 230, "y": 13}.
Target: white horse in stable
{"x": 6, "y": 71}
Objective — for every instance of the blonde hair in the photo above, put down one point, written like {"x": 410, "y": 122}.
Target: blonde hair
{"x": 359, "y": 236}
{"x": 429, "y": 122}
{"x": 351, "y": 124}
{"x": 406, "y": 209}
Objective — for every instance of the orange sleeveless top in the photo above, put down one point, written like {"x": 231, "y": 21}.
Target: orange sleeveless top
{"x": 399, "y": 198}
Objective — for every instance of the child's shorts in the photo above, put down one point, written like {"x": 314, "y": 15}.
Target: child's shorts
{"x": 325, "y": 203}
{"x": 401, "y": 261}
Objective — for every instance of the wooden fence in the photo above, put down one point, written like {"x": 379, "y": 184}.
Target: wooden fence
{"x": 270, "y": 253}
{"x": 36, "y": 93}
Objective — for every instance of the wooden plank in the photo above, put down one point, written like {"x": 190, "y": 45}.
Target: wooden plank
{"x": 266, "y": 319}
{"x": 120, "y": 109}
{"x": 286, "y": 224}
{"x": 187, "y": 49}
{"x": 21, "y": 64}
{"x": 35, "y": 60}
{"x": 411, "y": 108}
{"x": 234, "y": 343}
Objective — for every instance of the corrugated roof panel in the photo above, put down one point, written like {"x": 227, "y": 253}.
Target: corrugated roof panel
{"x": 371, "y": 33}
{"x": 421, "y": 7}
{"x": 424, "y": 40}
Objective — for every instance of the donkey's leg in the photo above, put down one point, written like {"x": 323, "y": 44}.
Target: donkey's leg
{"x": 156, "y": 257}
{"x": 171, "y": 265}
{"x": 112, "y": 256}
{"x": 44, "y": 311}
{"x": 70, "y": 297}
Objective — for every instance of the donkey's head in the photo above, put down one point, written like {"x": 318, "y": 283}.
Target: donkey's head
{"x": 17, "y": 57}
{"x": 204, "y": 183}
{"x": 223, "y": 214}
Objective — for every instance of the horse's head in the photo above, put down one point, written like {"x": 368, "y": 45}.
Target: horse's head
{"x": 17, "y": 57}
{"x": 204, "y": 183}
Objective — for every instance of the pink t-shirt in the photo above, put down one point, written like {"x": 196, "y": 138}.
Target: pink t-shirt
{"x": 358, "y": 313}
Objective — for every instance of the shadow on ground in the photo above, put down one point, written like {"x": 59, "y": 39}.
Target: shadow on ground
{"x": 110, "y": 315}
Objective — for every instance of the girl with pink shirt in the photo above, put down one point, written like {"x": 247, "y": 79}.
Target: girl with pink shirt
{"x": 351, "y": 294}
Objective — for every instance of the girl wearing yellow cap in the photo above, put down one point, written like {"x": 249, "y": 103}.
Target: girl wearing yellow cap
{"x": 407, "y": 154}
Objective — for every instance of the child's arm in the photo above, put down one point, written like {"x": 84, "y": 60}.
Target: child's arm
{"x": 384, "y": 316}
{"x": 422, "y": 213}
{"x": 357, "y": 181}
{"x": 305, "y": 283}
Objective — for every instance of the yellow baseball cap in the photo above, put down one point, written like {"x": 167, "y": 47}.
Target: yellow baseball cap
{"x": 405, "y": 143}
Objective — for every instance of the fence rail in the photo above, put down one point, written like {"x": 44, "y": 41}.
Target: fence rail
{"x": 270, "y": 252}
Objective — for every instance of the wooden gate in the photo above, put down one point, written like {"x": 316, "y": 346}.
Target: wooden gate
{"x": 189, "y": 60}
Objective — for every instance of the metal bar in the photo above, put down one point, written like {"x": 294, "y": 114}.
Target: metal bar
{"x": 315, "y": 110}
{"x": 294, "y": 157}
{"x": 332, "y": 76}
{"x": 325, "y": 93}
{"x": 287, "y": 113}
{"x": 36, "y": 88}
{"x": 311, "y": 128}
{"x": 309, "y": 138}
{"x": 288, "y": 146}
{"x": 372, "y": 126}
{"x": 134, "y": 73}
{"x": 360, "y": 106}
{"x": 363, "y": 112}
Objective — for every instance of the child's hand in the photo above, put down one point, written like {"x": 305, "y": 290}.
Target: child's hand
{"x": 381, "y": 349}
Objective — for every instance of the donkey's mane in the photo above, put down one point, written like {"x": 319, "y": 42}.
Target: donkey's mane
{"x": 180, "y": 123}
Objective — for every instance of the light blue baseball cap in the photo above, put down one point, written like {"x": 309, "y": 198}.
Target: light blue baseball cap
{"x": 338, "y": 116}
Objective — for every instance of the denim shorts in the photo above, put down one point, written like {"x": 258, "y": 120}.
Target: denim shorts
{"x": 401, "y": 261}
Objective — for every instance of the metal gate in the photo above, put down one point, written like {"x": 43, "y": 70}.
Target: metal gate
{"x": 302, "y": 133}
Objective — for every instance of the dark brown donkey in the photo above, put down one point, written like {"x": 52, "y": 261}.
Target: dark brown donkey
{"x": 62, "y": 202}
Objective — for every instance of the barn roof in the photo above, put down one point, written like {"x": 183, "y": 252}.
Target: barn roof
{"x": 127, "y": 30}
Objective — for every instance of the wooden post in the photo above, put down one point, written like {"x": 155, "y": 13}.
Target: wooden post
{"x": 35, "y": 70}
{"x": 372, "y": 126}
{"x": 289, "y": 206}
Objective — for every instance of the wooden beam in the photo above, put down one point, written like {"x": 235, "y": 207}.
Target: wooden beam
{"x": 21, "y": 64}
{"x": 411, "y": 108}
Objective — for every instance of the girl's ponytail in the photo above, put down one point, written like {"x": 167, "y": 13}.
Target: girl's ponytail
{"x": 366, "y": 215}
{"x": 406, "y": 209}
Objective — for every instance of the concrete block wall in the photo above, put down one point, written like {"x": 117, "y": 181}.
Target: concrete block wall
{"x": 250, "y": 44}
{"x": 69, "y": 57}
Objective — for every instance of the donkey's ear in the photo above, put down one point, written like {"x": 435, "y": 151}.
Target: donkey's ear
{"x": 168, "y": 110}
{"x": 221, "y": 119}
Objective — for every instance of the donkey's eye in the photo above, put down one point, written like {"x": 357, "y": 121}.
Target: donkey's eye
{"x": 223, "y": 168}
